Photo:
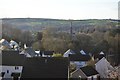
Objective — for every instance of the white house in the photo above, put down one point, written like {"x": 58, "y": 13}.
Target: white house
{"x": 102, "y": 53}
{"x": 12, "y": 63}
{"x": 66, "y": 54}
{"x": 4, "y": 44}
{"x": 37, "y": 53}
{"x": 8, "y": 70}
{"x": 14, "y": 45}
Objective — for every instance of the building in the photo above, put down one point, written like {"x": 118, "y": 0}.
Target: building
{"x": 86, "y": 72}
{"x": 4, "y": 44}
{"x": 66, "y": 54}
{"x": 12, "y": 63}
{"x": 45, "y": 67}
{"x": 103, "y": 67}
{"x": 29, "y": 52}
{"x": 14, "y": 45}
{"x": 99, "y": 56}
{"x": 79, "y": 59}
{"x": 47, "y": 53}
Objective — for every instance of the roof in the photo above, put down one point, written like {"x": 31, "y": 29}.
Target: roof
{"x": 101, "y": 53}
{"x": 30, "y": 51}
{"x": 103, "y": 66}
{"x": 82, "y": 52}
{"x": 10, "y": 52}
{"x": 99, "y": 56}
{"x": 79, "y": 57}
{"x": 104, "y": 63}
{"x": 89, "y": 70}
{"x": 12, "y": 59}
{"x": 66, "y": 54}
{"x": 45, "y": 67}
{"x": 47, "y": 52}
{"x": 14, "y": 43}
{"x": 4, "y": 42}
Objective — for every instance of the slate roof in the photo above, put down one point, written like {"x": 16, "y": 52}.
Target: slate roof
{"x": 99, "y": 56}
{"x": 79, "y": 57}
{"x": 4, "y": 42}
{"x": 45, "y": 67}
{"x": 10, "y": 52}
{"x": 89, "y": 70}
{"x": 47, "y": 52}
{"x": 12, "y": 58}
{"x": 30, "y": 51}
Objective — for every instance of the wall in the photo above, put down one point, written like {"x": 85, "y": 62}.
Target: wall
{"x": 11, "y": 70}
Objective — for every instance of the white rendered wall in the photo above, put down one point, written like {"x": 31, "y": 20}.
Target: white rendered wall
{"x": 11, "y": 70}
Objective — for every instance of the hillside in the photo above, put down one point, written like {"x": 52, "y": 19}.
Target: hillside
{"x": 38, "y": 24}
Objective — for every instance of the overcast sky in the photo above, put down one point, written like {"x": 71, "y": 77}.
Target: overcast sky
{"x": 59, "y": 9}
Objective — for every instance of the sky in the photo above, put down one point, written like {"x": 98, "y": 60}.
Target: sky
{"x": 59, "y": 9}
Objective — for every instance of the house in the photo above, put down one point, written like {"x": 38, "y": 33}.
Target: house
{"x": 79, "y": 59}
{"x": 66, "y": 54}
{"x": 86, "y": 72}
{"x": 10, "y": 52}
{"x": 14, "y": 45}
{"x": 12, "y": 63}
{"x": 4, "y": 44}
{"x": 45, "y": 67}
{"x": 83, "y": 62}
{"x": 99, "y": 56}
{"x": 29, "y": 52}
{"x": 47, "y": 53}
{"x": 37, "y": 53}
{"x": 103, "y": 67}
{"x": 82, "y": 52}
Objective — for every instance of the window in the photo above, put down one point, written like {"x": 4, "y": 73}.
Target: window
{"x": 7, "y": 71}
{"x": 2, "y": 74}
{"x": 16, "y": 67}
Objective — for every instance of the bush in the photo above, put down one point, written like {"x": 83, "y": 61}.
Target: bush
{"x": 57, "y": 55}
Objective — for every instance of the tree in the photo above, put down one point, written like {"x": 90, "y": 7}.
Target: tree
{"x": 84, "y": 42}
{"x": 39, "y": 36}
{"x": 97, "y": 36}
{"x": 101, "y": 46}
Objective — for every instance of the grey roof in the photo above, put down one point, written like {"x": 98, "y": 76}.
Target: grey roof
{"x": 4, "y": 42}
{"x": 30, "y": 51}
